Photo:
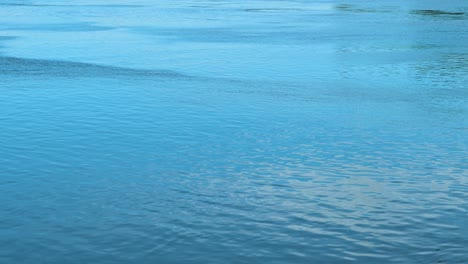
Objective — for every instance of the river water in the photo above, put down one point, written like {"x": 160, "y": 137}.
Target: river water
{"x": 214, "y": 131}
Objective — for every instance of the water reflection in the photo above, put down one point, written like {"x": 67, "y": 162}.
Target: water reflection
{"x": 264, "y": 131}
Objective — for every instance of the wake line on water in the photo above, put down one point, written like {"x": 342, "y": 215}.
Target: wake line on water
{"x": 33, "y": 67}
{"x": 321, "y": 91}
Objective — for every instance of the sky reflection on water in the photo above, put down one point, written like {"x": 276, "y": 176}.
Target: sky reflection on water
{"x": 248, "y": 131}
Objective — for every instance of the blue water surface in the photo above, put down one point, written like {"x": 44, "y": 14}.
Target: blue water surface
{"x": 262, "y": 131}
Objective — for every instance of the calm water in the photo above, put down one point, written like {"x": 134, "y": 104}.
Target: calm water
{"x": 214, "y": 131}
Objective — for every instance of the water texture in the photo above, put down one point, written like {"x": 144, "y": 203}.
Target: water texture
{"x": 233, "y": 131}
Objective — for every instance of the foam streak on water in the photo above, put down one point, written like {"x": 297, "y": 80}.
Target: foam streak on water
{"x": 233, "y": 131}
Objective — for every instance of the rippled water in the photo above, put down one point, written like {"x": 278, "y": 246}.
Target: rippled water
{"x": 233, "y": 131}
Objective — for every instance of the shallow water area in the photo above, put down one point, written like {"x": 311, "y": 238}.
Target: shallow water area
{"x": 241, "y": 131}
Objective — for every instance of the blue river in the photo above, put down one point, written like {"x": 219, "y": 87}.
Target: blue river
{"x": 222, "y": 131}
